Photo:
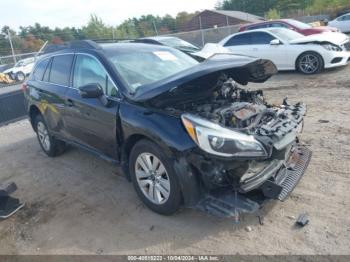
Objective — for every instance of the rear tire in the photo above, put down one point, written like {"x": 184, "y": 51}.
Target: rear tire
{"x": 154, "y": 178}
{"x": 310, "y": 63}
{"x": 50, "y": 145}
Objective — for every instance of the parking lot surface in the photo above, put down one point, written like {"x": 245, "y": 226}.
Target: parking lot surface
{"x": 80, "y": 204}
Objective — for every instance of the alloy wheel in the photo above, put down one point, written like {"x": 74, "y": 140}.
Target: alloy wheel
{"x": 309, "y": 64}
{"x": 43, "y": 136}
{"x": 152, "y": 178}
{"x": 20, "y": 77}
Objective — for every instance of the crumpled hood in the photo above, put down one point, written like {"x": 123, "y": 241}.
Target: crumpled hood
{"x": 210, "y": 48}
{"x": 331, "y": 37}
{"x": 200, "y": 81}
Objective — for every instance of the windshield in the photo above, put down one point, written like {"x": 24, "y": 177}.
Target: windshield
{"x": 146, "y": 66}
{"x": 176, "y": 42}
{"x": 299, "y": 24}
{"x": 286, "y": 34}
{"x": 19, "y": 64}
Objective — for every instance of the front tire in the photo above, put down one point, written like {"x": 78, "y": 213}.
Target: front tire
{"x": 310, "y": 63}
{"x": 50, "y": 145}
{"x": 154, "y": 178}
{"x": 20, "y": 76}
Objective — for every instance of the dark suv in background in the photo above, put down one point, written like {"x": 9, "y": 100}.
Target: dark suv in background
{"x": 184, "y": 132}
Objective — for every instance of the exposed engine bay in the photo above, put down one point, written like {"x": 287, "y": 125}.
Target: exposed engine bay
{"x": 237, "y": 108}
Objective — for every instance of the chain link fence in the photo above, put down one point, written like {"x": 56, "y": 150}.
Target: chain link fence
{"x": 212, "y": 35}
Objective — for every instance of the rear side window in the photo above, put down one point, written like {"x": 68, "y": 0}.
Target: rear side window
{"x": 258, "y": 26}
{"x": 346, "y": 18}
{"x": 243, "y": 39}
{"x": 47, "y": 72}
{"x": 279, "y": 25}
{"x": 60, "y": 69}
{"x": 40, "y": 69}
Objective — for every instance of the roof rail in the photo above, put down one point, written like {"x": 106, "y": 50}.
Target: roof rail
{"x": 108, "y": 40}
{"x": 88, "y": 44}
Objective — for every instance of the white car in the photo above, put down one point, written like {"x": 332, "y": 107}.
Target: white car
{"x": 21, "y": 69}
{"x": 342, "y": 23}
{"x": 288, "y": 49}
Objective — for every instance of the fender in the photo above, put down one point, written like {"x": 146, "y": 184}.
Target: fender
{"x": 161, "y": 128}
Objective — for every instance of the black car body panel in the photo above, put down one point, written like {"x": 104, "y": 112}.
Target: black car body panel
{"x": 209, "y": 182}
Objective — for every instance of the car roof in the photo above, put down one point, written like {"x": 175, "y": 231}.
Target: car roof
{"x": 27, "y": 59}
{"x": 158, "y": 37}
{"x": 84, "y": 46}
{"x": 286, "y": 20}
{"x": 120, "y": 47}
{"x": 265, "y": 30}
{"x": 343, "y": 15}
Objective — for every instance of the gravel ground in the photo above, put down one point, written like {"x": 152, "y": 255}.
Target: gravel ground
{"x": 79, "y": 204}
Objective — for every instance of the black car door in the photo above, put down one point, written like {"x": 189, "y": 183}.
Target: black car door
{"x": 88, "y": 121}
{"x": 51, "y": 80}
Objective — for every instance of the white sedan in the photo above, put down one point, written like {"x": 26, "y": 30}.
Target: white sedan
{"x": 288, "y": 49}
{"x": 21, "y": 69}
{"x": 342, "y": 23}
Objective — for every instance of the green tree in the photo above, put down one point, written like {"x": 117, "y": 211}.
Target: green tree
{"x": 257, "y": 7}
{"x": 273, "y": 14}
{"x": 182, "y": 18}
{"x": 96, "y": 29}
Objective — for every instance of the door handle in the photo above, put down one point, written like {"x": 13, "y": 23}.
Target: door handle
{"x": 255, "y": 49}
{"x": 70, "y": 103}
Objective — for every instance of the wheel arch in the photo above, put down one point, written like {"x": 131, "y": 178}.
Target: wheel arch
{"x": 33, "y": 112}
{"x": 308, "y": 51}
{"x": 187, "y": 175}
{"x": 128, "y": 145}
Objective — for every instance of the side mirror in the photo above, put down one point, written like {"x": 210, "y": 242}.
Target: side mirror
{"x": 91, "y": 91}
{"x": 275, "y": 42}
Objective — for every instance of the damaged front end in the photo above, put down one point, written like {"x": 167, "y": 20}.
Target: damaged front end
{"x": 249, "y": 150}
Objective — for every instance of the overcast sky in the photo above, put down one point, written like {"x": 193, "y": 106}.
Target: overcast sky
{"x": 61, "y": 13}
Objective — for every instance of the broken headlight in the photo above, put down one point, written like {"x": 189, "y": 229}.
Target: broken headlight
{"x": 221, "y": 141}
{"x": 332, "y": 47}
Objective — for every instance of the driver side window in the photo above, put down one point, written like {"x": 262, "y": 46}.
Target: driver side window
{"x": 88, "y": 70}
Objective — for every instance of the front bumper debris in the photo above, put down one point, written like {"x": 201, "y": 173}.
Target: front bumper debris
{"x": 282, "y": 181}
{"x": 8, "y": 204}
{"x": 288, "y": 177}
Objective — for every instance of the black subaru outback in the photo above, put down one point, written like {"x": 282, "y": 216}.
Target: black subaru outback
{"x": 185, "y": 133}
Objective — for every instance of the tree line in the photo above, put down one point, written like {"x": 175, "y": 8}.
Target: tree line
{"x": 31, "y": 38}
{"x": 263, "y": 7}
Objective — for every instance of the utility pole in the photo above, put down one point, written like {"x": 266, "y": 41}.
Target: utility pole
{"x": 202, "y": 33}
{"x": 155, "y": 27}
{"x": 40, "y": 50}
{"x": 228, "y": 25}
{"x": 13, "y": 51}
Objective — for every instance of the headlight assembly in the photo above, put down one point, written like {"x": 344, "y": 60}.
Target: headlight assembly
{"x": 220, "y": 141}
{"x": 331, "y": 47}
